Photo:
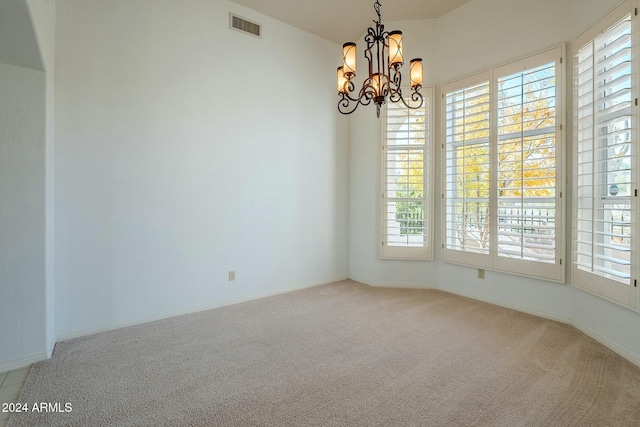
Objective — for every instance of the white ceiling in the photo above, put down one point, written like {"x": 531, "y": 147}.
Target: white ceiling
{"x": 347, "y": 20}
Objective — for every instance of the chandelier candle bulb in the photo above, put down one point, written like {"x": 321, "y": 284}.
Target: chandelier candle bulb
{"x": 342, "y": 80}
{"x": 376, "y": 82}
{"x": 415, "y": 72}
{"x": 349, "y": 60}
{"x": 395, "y": 49}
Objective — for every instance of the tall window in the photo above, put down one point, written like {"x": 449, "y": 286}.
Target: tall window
{"x": 407, "y": 157}
{"x": 503, "y": 162}
{"x": 468, "y": 167}
{"x": 604, "y": 165}
{"x": 527, "y": 164}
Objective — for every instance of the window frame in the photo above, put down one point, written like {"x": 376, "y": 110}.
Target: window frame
{"x": 492, "y": 259}
{"x": 615, "y": 291}
{"x": 418, "y": 253}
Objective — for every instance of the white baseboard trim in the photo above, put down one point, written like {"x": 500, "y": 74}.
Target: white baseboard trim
{"x": 50, "y": 350}
{"x": 194, "y": 309}
{"x": 610, "y": 345}
{"x": 398, "y": 285}
{"x": 509, "y": 305}
{"x": 23, "y": 362}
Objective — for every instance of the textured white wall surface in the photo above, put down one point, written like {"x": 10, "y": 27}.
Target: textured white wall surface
{"x": 43, "y": 17}
{"x": 22, "y": 214}
{"x": 26, "y": 181}
{"x": 185, "y": 150}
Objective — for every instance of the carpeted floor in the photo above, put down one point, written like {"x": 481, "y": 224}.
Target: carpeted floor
{"x": 341, "y": 354}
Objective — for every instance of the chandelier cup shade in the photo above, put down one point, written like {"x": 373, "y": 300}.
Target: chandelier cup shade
{"x": 384, "y": 81}
{"x": 395, "y": 49}
{"x": 349, "y": 60}
{"x": 415, "y": 72}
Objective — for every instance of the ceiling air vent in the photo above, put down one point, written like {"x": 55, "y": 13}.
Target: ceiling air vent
{"x": 241, "y": 24}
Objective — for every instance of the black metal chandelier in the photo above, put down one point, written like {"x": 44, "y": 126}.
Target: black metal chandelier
{"x": 385, "y": 78}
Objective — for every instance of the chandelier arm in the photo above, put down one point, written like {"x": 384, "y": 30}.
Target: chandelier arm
{"x": 395, "y": 85}
{"x": 396, "y": 77}
{"x": 396, "y": 96}
{"x": 385, "y": 90}
{"x": 345, "y": 104}
{"x": 367, "y": 92}
{"x": 346, "y": 99}
{"x": 349, "y": 86}
{"x": 416, "y": 100}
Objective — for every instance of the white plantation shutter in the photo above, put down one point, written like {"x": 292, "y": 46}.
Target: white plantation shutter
{"x": 527, "y": 176}
{"x": 604, "y": 182}
{"x": 406, "y": 180}
{"x": 503, "y": 157}
{"x": 467, "y": 179}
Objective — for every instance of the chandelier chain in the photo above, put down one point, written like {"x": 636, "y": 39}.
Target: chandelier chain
{"x": 377, "y": 6}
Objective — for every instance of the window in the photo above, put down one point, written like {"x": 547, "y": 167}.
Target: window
{"x": 407, "y": 157}
{"x": 604, "y": 165}
{"x": 502, "y": 160}
{"x": 467, "y": 168}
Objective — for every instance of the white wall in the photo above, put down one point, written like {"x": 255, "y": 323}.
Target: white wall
{"x": 43, "y": 18}
{"x": 474, "y": 37}
{"x": 26, "y": 187}
{"x": 22, "y": 216}
{"x": 185, "y": 150}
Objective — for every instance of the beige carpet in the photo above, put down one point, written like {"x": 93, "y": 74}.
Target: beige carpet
{"x": 342, "y": 354}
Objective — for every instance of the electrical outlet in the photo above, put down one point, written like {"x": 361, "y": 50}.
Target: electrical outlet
{"x": 232, "y": 276}
{"x": 481, "y": 273}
